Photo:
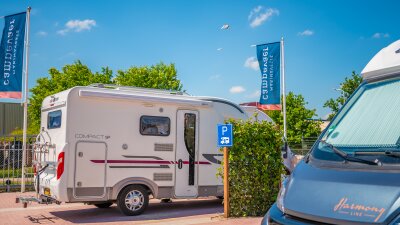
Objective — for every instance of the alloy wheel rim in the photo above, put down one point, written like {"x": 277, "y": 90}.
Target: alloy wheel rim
{"x": 134, "y": 200}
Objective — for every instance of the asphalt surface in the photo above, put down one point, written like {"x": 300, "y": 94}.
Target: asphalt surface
{"x": 199, "y": 211}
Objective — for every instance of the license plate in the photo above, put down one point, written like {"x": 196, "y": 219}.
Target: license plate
{"x": 47, "y": 191}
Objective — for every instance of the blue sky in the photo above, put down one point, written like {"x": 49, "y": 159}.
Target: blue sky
{"x": 324, "y": 40}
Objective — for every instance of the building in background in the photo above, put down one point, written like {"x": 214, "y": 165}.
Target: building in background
{"x": 11, "y": 117}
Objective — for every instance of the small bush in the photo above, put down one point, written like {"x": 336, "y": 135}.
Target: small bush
{"x": 255, "y": 167}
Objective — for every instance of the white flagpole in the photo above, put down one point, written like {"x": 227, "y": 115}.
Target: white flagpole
{"x": 24, "y": 149}
{"x": 283, "y": 90}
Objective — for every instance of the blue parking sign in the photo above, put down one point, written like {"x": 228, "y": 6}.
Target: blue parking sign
{"x": 225, "y": 137}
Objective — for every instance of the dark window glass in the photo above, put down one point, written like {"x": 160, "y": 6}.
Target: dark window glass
{"x": 54, "y": 119}
{"x": 155, "y": 125}
{"x": 190, "y": 142}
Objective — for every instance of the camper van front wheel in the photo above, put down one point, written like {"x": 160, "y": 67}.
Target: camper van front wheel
{"x": 133, "y": 200}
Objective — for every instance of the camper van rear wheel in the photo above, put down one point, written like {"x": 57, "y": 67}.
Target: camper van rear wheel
{"x": 133, "y": 200}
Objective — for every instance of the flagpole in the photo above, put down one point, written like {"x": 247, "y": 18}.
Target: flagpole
{"x": 283, "y": 90}
{"x": 24, "y": 149}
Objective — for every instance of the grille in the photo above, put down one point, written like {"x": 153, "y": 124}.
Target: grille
{"x": 163, "y": 147}
{"x": 162, "y": 177}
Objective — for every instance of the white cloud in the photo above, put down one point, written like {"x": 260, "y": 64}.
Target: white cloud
{"x": 41, "y": 33}
{"x": 237, "y": 89}
{"x": 259, "y": 15}
{"x": 255, "y": 94}
{"x": 380, "y": 35}
{"x": 252, "y": 63}
{"x": 77, "y": 26}
{"x": 62, "y": 32}
{"x": 306, "y": 32}
{"x": 255, "y": 11}
{"x": 215, "y": 77}
{"x": 376, "y": 35}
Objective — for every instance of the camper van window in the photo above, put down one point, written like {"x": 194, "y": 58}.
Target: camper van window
{"x": 54, "y": 119}
{"x": 155, "y": 125}
{"x": 370, "y": 123}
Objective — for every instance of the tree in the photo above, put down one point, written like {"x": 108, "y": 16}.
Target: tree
{"x": 298, "y": 119}
{"x": 347, "y": 88}
{"x": 72, "y": 75}
{"x": 160, "y": 76}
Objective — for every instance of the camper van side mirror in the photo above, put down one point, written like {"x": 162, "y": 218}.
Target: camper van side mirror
{"x": 284, "y": 150}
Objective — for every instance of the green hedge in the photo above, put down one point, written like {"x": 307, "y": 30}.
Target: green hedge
{"x": 255, "y": 167}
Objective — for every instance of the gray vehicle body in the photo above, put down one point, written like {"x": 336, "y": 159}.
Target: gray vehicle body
{"x": 325, "y": 188}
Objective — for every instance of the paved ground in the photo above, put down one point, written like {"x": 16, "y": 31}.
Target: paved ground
{"x": 179, "y": 212}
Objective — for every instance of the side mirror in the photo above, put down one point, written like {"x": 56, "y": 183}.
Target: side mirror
{"x": 285, "y": 150}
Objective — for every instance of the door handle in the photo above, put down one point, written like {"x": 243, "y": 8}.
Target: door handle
{"x": 180, "y": 163}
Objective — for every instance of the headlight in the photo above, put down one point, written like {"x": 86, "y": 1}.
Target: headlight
{"x": 281, "y": 195}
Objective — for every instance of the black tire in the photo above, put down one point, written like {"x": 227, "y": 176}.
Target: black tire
{"x": 103, "y": 205}
{"x": 133, "y": 200}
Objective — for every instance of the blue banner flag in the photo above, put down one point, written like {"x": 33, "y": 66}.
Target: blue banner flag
{"x": 269, "y": 59}
{"x": 12, "y": 56}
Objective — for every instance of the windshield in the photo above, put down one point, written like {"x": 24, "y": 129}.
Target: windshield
{"x": 370, "y": 121}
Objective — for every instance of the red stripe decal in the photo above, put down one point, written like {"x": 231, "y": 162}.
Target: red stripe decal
{"x": 162, "y": 162}
{"x": 133, "y": 161}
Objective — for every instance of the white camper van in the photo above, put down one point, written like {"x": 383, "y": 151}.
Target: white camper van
{"x": 108, "y": 144}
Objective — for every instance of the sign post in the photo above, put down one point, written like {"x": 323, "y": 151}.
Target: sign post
{"x": 225, "y": 139}
{"x": 226, "y": 182}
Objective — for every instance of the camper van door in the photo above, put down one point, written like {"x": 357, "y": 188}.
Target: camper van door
{"x": 89, "y": 177}
{"x": 186, "y": 169}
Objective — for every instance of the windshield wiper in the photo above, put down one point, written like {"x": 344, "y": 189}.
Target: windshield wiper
{"x": 347, "y": 157}
{"x": 394, "y": 154}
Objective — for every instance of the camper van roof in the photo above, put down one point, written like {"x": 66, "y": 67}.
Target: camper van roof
{"x": 151, "y": 95}
{"x": 139, "y": 89}
{"x": 386, "y": 63}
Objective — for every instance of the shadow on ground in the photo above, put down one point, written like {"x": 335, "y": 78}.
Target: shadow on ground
{"x": 155, "y": 211}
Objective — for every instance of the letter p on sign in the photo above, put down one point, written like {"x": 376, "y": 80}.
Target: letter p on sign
{"x": 225, "y": 137}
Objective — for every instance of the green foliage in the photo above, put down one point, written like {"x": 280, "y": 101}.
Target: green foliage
{"x": 298, "y": 119}
{"x": 255, "y": 167}
{"x": 72, "y": 75}
{"x": 19, "y": 132}
{"x": 160, "y": 76}
{"x": 347, "y": 88}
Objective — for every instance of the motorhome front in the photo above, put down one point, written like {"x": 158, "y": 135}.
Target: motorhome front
{"x": 352, "y": 174}
{"x": 102, "y": 145}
